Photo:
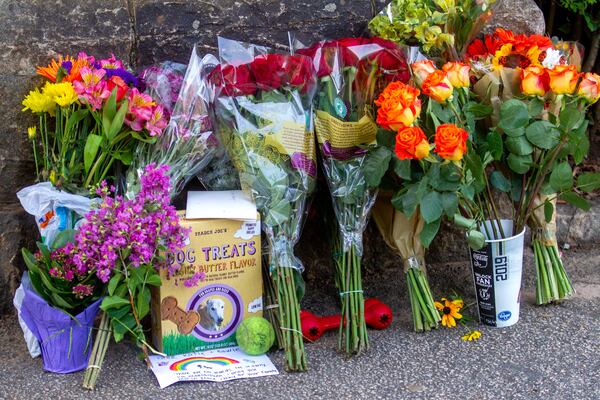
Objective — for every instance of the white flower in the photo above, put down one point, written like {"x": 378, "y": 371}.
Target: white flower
{"x": 552, "y": 58}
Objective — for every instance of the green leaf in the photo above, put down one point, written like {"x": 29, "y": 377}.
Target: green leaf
{"x": 386, "y": 138}
{"x": 548, "y": 210}
{"x": 575, "y": 200}
{"x": 401, "y": 168}
{"x": 450, "y": 203}
{"x": 429, "y": 231}
{"x": 125, "y": 157}
{"x": 143, "y": 303}
{"x": 536, "y": 106}
{"x": 519, "y": 164}
{"x": 117, "y": 122}
{"x": 515, "y": 132}
{"x": 149, "y": 140}
{"x": 112, "y": 302}
{"x": 431, "y": 206}
{"x": 570, "y": 118}
{"x": 114, "y": 281}
{"x": 494, "y": 141}
{"x": 478, "y": 110}
{"x": 376, "y": 165}
{"x": 108, "y": 112}
{"x": 588, "y": 181}
{"x": 499, "y": 181}
{"x": 299, "y": 284}
{"x": 76, "y": 117}
{"x": 579, "y": 143}
{"x": 543, "y": 134}
{"x": 92, "y": 145}
{"x": 519, "y": 145}
{"x": 153, "y": 280}
{"x": 513, "y": 114}
{"x": 561, "y": 177}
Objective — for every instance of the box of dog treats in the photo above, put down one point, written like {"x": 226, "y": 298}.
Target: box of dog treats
{"x": 194, "y": 314}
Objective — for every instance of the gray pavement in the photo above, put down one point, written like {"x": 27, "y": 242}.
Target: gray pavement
{"x": 552, "y": 353}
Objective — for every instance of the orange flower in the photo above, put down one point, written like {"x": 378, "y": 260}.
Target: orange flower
{"x": 451, "y": 142}
{"x": 437, "y": 86}
{"x": 563, "y": 79}
{"x": 457, "y": 73}
{"x": 399, "y": 106}
{"x": 411, "y": 143}
{"x": 534, "y": 81}
{"x": 421, "y": 70}
{"x": 70, "y": 65}
{"x": 589, "y": 88}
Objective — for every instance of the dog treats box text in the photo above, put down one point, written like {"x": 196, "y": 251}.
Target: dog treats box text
{"x": 188, "y": 317}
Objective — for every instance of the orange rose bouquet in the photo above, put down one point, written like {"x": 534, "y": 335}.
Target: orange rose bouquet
{"x": 538, "y": 131}
{"x": 430, "y": 136}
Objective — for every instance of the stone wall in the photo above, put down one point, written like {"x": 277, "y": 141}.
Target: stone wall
{"x": 143, "y": 32}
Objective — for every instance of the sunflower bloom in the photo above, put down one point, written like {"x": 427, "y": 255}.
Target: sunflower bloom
{"x": 449, "y": 311}
{"x": 471, "y": 336}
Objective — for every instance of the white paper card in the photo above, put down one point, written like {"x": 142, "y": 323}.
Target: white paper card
{"x": 229, "y": 204}
{"x": 213, "y": 365}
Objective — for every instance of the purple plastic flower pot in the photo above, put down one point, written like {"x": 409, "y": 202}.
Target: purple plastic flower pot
{"x": 65, "y": 342}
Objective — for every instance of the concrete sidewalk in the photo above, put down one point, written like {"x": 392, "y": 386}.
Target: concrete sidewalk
{"x": 552, "y": 353}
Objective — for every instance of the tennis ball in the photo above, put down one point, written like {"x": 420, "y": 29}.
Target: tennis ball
{"x": 255, "y": 336}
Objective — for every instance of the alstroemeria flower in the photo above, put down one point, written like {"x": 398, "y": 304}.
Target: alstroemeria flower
{"x": 157, "y": 121}
{"x": 92, "y": 88}
{"x": 140, "y": 109}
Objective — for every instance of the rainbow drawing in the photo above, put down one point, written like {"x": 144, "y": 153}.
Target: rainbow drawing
{"x": 182, "y": 365}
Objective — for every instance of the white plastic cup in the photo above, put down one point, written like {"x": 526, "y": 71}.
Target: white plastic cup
{"x": 497, "y": 270}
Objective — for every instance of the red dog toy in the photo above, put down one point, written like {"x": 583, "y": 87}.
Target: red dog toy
{"x": 378, "y": 315}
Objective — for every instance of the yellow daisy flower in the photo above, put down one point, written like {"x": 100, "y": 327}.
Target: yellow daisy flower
{"x": 38, "y": 102}
{"x": 449, "y": 311}
{"x": 32, "y": 132}
{"x": 471, "y": 336}
{"x": 62, "y": 93}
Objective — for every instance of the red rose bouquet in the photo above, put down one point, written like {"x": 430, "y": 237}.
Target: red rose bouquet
{"x": 262, "y": 112}
{"x": 351, "y": 73}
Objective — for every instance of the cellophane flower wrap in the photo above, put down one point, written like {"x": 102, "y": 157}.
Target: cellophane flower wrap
{"x": 163, "y": 82}
{"x": 92, "y": 115}
{"x": 351, "y": 72}
{"x": 263, "y": 111}
{"x": 539, "y": 100}
{"x": 188, "y": 143}
{"x": 442, "y": 28}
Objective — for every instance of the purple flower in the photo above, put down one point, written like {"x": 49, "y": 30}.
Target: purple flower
{"x": 122, "y": 73}
{"x": 82, "y": 291}
{"x": 123, "y": 233}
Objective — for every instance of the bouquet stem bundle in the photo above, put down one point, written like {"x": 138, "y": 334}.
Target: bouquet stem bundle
{"x": 552, "y": 283}
{"x": 351, "y": 71}
{"x": 261, "y": 112}
{"x": 98, "y": 353}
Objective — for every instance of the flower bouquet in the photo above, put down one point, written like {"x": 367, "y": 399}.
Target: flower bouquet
{"x": 91, "y": 117}
{"x": 188, "y": 142}
{"x": 441, "y": 27}
{"x": 532, "y": 75}
{"x": 126, "y": 242}
{"x": 163, "y": 83}
{"x": 60, "y": 304}
{"x": 262, "y": 111}
{"x": 351, "y": 72}
{"x": 431, "y": 181}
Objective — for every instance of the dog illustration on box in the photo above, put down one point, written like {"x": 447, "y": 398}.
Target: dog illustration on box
{"x": 212, "y": 314}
